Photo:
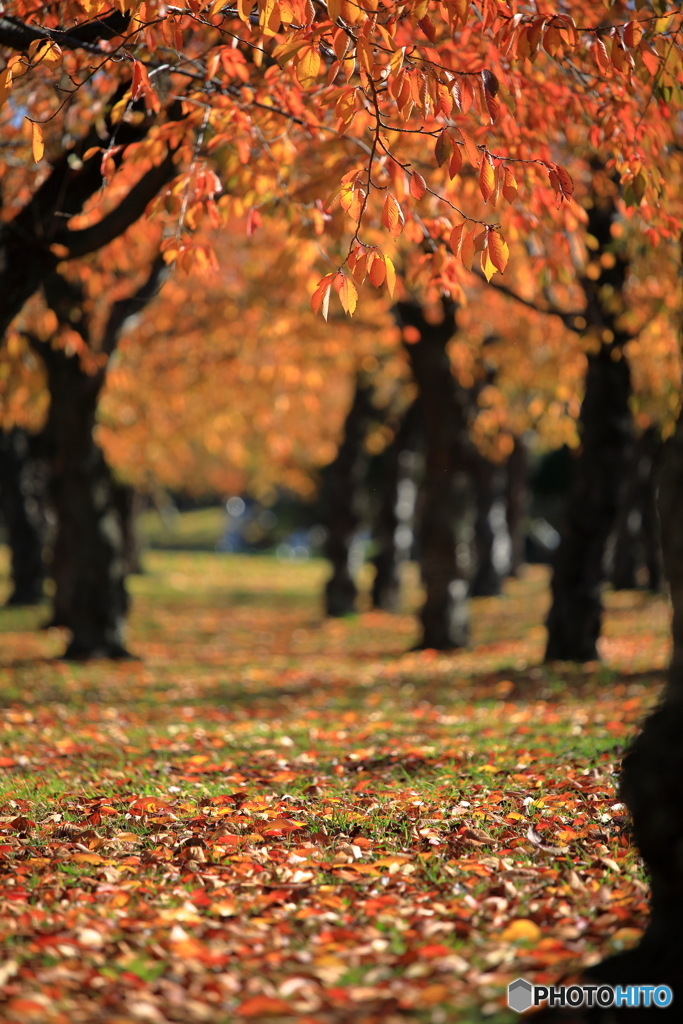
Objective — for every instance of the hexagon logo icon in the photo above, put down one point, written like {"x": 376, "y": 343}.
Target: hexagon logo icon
{"x": 519, "y": 995}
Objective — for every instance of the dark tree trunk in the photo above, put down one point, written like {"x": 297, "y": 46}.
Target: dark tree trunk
{"x": 486, "y": 582}
{"x": 340, "y": 499}
{"x": 126, "y": 503}
{"x": 88, "y": 565}
{"x": 516, "y": 501}
{"x": 446, "y": 494}
{"x": 22, "y": 501}
{"x": 606, "y": 431}
{"x": 89, "y": 561}
{"x": 652, "y": 780}
{"x": 386, "y": 585}
{"x": 637, "y": 541}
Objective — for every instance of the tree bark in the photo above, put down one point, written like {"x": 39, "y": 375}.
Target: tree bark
{"x": 446, "y": 494}
{"x": 126, "y": 503}
{"x": 22, "y": 501}
{"x": 606, "y": 431}
{"x": 652, "y": 779}
{"x": 637, "y": 541}
{"x": 516, "y": 502}
{"x": 89, "y": 564}
{"x": 386, "y": 585}
{"x": 340, "y": 499}
{"x": 486, "y": 581}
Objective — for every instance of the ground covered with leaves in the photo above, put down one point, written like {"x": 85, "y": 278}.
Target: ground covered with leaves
{"x": 273, "y": 816}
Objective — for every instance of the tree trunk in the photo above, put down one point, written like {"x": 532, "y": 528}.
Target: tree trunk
{"x": 446, "y": 494}
{"x": 22, "y": 501}
{"x": 126, "y": 502}
{"x": 652, "y": 779}
{"x": 486, "y": 582}
{"x": 516, "y": 501}
{"x": 89, "y": 564}
{"x": 606, "y": 431}
{"x": 386, "y": 585}
{"x": 340, "y": 499}
{"x": 637, "y": 542}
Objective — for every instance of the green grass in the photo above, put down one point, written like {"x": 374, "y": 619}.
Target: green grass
{"x": 414, "y": 778}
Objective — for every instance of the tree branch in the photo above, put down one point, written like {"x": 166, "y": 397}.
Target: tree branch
{"x": 18, "y": 36}
{"x": 566, "y": 318}
{"x": 130, "y": 209}
{"x": 123, "y": 309}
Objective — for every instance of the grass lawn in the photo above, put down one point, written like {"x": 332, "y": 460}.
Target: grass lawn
{"x": 271, "y": 816}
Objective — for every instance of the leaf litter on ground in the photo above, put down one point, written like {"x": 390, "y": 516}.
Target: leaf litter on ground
{"x": 276, "y": 817}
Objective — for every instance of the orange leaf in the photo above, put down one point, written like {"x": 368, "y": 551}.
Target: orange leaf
{"x": 456, "y": 238}
{"x": 320, "y": 300}
{"x": 509, "y": 185}
{"x": 467, "y": 249}
{"x": 5, "y": 84}
{"x": 37, "y": 144}
{"x": 264, "y": 1006}
{"x": 378, "y": 270}
{"x": 471, "y": 148}
{"x": 444, "y": 145}
{"x": 456, "y": 162}
{"x": 487, "y": 177}
{"x": 498, "y": 251}
{"x": 392, "y": 217}
{"x": 418, "y": 185}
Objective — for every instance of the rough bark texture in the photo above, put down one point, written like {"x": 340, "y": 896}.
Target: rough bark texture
{"x": 637, "y": 541}
{"x": 22, "y": 502}
{"x": 340, "y": 499}
{"x": 386, "y": 585}
{"x": 606, "y": 431}
{"x": 516, "y": 502}
{"x": 446, "y": 496}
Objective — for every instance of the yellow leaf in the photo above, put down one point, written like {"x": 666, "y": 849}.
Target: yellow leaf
{"x": 391, "y": 276}
{"x": 50, "y": 55}
{"x": 489, "y": 270}
{"x": 37, "y": 144}
{"x": 5, "y": 84}
{"x": 521, "y": 930}
{"x": 364, "y": 52}
{"x": 334, "y": 9}
{"x": 308, "y": 66}
{"x": 348, "y": 296}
